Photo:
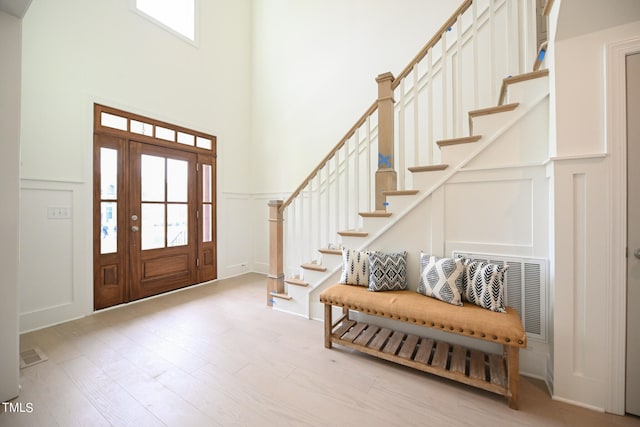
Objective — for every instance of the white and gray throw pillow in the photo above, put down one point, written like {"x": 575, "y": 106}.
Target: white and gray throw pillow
{"x": 355, "y": 267}
{"x": 441, "y": 278}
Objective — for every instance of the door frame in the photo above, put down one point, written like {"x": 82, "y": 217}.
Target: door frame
{"x": 202, "y": 145}
{"x": 616, "y": 143}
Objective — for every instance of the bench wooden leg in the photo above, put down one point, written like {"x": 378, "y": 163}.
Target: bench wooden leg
{"x": 513, "y": 366}
{"x": 328, "y": 325}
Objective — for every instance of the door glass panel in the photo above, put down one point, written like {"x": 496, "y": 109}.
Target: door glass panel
{"x": 177, "y": 217}
{"x": 108, "y": 173}
{"x": 206, "y": 183}
{"x": 108, "y": 229}
{"x": 206, "y": 223}
{"x": 152, "y": 178}
{"x": 153, "y": 229}
{"x": 177, "y": 180}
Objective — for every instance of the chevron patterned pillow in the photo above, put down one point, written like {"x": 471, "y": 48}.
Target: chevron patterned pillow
{"x": 484, "y": 285}
{"x": 355, "y": 267}
{"x": 387, "y": 272}
{"x": 441, "y": 278}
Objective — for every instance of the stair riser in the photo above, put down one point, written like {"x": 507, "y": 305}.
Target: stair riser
{"x": 331, "y": 261}
{"x": 454, "y": 154}
{"x": 398, "y": 204}
{"x": 296, "y": 292}
{"x": 487, "y": 125}
{"x": 373, "y": 224}
{"x": 522, "y": 91}
{"x": 312, "y": 277}
{"x": 426, "y": 180}
{"x": 352, "y": 242}
{"x": 294, "y": 306}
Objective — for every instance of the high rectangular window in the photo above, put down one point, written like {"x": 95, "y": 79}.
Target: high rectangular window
{"x": 178, "y": 15}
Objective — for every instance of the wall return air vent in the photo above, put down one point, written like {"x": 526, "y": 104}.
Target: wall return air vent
{"x": 525, "y": 289}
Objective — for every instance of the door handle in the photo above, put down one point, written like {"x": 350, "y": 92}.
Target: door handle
{"x": 134, "y": 228}
{"x": 636, "y": 253}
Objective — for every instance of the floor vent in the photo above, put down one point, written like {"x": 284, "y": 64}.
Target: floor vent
{"x": 31, "y": 357}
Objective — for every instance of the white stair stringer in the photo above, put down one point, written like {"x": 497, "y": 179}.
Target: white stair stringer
{"x": 401, "y": 206}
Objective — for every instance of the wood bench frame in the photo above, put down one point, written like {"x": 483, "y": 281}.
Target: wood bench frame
{"x": 496, "y": 373}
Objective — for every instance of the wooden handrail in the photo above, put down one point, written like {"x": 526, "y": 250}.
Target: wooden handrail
{"x": 331, "y": 153}
{"x": 432, "y": 42}
{"x": 547, "y": 8}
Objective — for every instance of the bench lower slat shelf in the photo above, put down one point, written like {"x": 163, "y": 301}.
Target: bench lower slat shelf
{"x": 472, "y": 367}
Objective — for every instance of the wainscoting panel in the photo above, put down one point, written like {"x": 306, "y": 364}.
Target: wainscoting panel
{"x": 52, "y": 278}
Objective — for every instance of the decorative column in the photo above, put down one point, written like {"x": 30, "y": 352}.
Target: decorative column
{"x": 275, "y": 279}
{"x": 386, "y": 176}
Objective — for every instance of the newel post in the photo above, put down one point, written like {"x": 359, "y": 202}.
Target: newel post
{"x": 386, "y": 176}
{"x": 275, "y": 279}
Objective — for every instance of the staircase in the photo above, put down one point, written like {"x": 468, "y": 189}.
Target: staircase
{"x": 419, "y": 142}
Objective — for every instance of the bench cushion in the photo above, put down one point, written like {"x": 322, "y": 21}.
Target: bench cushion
{"x": 409, "y": 306}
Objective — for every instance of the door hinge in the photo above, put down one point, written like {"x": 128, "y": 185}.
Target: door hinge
{"x": 197, "y": 167}
{"x": 197, "y": 262}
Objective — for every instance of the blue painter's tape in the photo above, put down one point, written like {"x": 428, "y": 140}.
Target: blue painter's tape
{"x": 541, "y": 55}
{"x": 384, "y": 160}
{"x": 385, "y": 204}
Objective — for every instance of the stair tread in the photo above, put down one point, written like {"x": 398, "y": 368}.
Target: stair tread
{"x": 461, "y": 140}
{"x": 281, "y": 296}
{"x": 296, "y": 281}
{"x": 517, "y": 79}
{"x": 375, "y": 214}
{"x": 495, "y": 109}
{"x": 353, "y": 233}
{"x": 330, "y": 251}
{"x": 400, "y": 192}
{"x": 428, "y": 168}
{"x": 315, "y": 267}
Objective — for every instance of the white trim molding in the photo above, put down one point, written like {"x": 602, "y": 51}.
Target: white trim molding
{"x": 615, "y": 141}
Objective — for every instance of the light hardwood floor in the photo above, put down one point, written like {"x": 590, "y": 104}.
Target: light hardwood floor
{"x": 216, "y": 355}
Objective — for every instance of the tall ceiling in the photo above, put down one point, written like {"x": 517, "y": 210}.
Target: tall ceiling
{"x": 16, "y": 8}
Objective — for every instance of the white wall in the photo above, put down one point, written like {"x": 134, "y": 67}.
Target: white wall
{"x": 10, "y": 36}
{"x": 315, "y": 65}
{"x": 581, "y": 202}
{"x": 77, "y": 52}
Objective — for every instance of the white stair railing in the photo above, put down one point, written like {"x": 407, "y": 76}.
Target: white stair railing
{"x": 460, "y": 69}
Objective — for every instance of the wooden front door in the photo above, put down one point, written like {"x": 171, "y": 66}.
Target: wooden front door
{"x": 154, "y": 210}
{"x": 162, "y": 219}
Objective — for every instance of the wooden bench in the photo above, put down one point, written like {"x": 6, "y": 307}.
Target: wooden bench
{"x": 493, "y": 372}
